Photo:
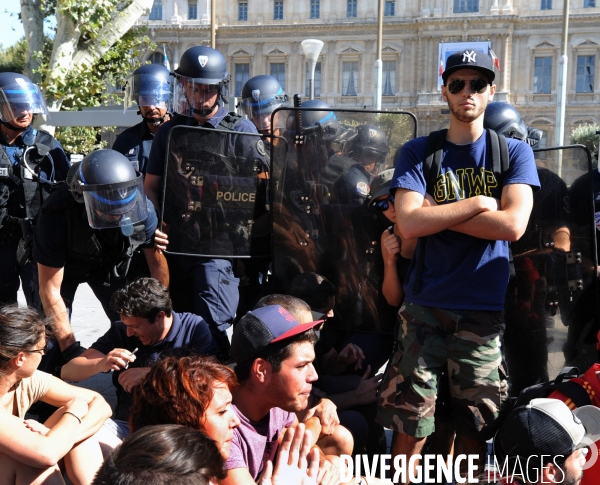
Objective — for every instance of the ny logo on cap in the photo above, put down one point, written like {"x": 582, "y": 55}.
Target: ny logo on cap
{"x": 469, "y": 56}
{"x": 372, "y": 133}
{"x": 256, "y": 94}
{"x": 202, "y": 60}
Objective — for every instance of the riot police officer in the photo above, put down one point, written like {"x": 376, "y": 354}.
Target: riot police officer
{"x": 369, "y": 148}
{"x": 150, "y": 88}
{"x": 86, "y": 233}
{"x": 207, "y": 286}
{"x": 261, "y": 95}
{"x": 30, "y": 162}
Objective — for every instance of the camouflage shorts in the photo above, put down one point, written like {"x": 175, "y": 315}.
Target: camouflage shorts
{"x": 431, "y": 340}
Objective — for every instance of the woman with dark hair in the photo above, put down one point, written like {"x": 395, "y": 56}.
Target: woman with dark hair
{"x": 195, "y": 392}
{"x": 31, "y": 452}
{"x": 168, "y": 453}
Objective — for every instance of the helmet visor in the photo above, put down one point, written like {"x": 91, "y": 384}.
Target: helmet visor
{"x": 19, "y": 98}
{"x": 146, "y": 90}
{"x": 259, "y": 108}
{"x": 191, "y": 95}
{"x": 115, "y": 205}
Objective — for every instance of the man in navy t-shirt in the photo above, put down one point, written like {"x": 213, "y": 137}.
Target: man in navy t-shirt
{"x": 148, "y": 329}
{"x": 452, "y": 318}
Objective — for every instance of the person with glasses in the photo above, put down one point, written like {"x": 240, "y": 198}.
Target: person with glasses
{"x": 148, "y": 330}
{"x": 32, "y": 452}
{"x": 452, "y": 316}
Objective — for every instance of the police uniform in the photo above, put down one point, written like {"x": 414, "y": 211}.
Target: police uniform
{"x": 22, "y": 195}
{"x": 135, "y": 143}
{"x": 210, "y": 283}
{"x": 63, "y": 238}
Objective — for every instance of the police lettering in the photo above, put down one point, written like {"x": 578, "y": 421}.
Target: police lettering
{"x": 235, "y": 196}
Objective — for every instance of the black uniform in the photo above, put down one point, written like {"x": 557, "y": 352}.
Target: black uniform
{"x": 63, "y": 238}
{"x": 353, "y": 186}
{"x": 135, "y": 143}
{"x": 21, "y": 195}
{"x": 207, "y": 286}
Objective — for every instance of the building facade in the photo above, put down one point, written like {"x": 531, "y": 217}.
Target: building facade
{"x": 264, "y": 36}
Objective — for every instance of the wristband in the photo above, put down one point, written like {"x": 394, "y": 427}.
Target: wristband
{"x": 74, "y": 415}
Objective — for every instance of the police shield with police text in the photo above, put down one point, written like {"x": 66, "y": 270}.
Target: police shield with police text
{"x": 205, "y": 168}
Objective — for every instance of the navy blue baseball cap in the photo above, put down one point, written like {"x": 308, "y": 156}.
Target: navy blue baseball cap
{"x": 470, "y": 59}
{"x": 262, "y": 327}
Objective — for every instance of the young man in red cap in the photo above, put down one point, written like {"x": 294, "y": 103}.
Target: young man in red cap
{"x": 274, "y": 357}
{"x": 452, "y": 317}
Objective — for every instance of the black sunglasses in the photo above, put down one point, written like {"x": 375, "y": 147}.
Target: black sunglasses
{"x": 479, "y": 86}
{"x": 42, "y": 351}
{"x": 383, "y": 204}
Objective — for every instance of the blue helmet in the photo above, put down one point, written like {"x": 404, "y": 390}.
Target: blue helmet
{"x": 149, "y": 85}
{"x": 18, "y": 94}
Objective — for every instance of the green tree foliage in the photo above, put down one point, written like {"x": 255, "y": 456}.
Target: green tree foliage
{"x": 96, "y": 45}
{"x": 12, "y": 58}
{"x": 586, "y": 135}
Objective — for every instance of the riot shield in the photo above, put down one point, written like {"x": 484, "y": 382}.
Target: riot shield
{"x": 315, "y": 227}
{"x": 214, "y": 200}
{"x": 551, "y": 307}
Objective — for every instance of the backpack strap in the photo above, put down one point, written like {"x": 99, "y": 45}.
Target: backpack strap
{"x": 434, "y": 150}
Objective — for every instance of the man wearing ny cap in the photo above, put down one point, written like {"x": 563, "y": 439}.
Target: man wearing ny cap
{"x": 452, "y": 317}
{"x": 274, "y": 357}
{"x": 545, "y": 442}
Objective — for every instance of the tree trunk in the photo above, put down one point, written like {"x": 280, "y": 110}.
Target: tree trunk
{"x": 32, "y": 16}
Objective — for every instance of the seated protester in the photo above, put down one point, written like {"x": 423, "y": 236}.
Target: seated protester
{"x": 195, "y": 392}
{"x": 273, "y": 355}
{"x": 319, "y": 293}
{"x": 353, "y": 395}
{"x": 148, "y": 330}
{"x": 169, "y": 453}
{"x": 32, "y": 452}
{"x": 545, "y": 442}
{"x": 586, "y": 392}
{"x": 343, "y": 391}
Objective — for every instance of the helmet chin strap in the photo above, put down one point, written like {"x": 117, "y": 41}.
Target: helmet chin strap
{"x": 154, "y": 121}
{"x": 12, "y": 127}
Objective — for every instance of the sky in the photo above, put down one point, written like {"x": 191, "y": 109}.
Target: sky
{"x": 12, "y": 28}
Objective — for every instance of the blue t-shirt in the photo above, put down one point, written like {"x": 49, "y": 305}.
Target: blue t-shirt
{"x": 461, "y": 271}
{"x": 189, "y": 335}
{"x": 249, "y": 147}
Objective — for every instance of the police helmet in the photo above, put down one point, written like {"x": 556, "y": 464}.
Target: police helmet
{"x": 18, "y": 94}
{"x": 503, "y": 118}
{"x": 202, "y": 73}
{"x": 322, "y": 119}
{"x": 370, "y": 144}
{"x": 113, "y": 192}
{"x": 261, "y": 95}
{"x": 149, "y": 85}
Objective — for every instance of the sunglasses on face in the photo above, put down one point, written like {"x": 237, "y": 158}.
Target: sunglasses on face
{"x": 479, "y": 86}
{"x": 384, "y": 204}
{"x": 42, "y": 351}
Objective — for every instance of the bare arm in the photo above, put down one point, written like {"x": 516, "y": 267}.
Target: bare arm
{"x": 157, "y": 263}
{"x": 508, "y": 223}
{"x": 50, "y": 281}
{"x": 416, "y": 220}
{"x": 92, "y": 362}
{"x": 391, "y": 246}
{"x": 152, "y": 185}
{"x": 60, "y": 393}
